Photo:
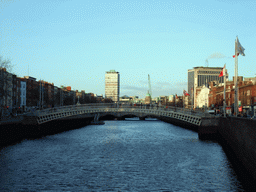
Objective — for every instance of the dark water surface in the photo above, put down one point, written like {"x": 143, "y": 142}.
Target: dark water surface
{"x": 118, "y": 156}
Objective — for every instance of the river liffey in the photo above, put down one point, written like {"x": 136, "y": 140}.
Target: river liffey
{"x": 128, "y": 155}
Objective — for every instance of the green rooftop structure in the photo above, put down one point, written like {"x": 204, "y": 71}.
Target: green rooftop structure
{"x": 111, "y": 71}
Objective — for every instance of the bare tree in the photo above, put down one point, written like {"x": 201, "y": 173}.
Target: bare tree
{"x": 5, "y": 64}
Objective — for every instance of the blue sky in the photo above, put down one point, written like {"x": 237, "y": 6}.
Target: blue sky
{"x": 73, "y": 43}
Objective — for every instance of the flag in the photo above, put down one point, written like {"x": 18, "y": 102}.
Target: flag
{"x": 235, "y": 55}
{"x": 185, "y": 93}
{"x": 238, "y": 47}
{"x": 222, "y": 72}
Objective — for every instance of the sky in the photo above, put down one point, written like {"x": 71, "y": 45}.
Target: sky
{"x": 74, "y": 43}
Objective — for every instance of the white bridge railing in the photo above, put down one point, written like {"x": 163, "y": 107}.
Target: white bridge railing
{"x": 113, "y": 105}
{"x": 49, "y": 114}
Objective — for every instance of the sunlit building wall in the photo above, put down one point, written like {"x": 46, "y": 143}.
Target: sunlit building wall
{"x": 112, "y": 85}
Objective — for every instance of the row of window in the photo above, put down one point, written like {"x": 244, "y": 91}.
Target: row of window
{"x": 202, "y": 79}
{"x": 208, "y": 72}
{"x": 233, "y": 95}
{"x": 248, "y": 92}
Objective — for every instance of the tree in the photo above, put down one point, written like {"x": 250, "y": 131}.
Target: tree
{"x": 5, "y": 64}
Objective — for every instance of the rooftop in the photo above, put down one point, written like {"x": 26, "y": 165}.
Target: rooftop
{"x": 30, "y": 78}
{"x": 201, "y": 67}
{"x": 112, "y": 71}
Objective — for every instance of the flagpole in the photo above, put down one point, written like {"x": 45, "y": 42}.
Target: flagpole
{"x": 183, "y": 100}
{"x": 224, "y": 102}
{"x": 192, "y": 91}
{"x": 175, "y": 100}
{"x": 194, "y": 96}
{"x": 236, "y": 71}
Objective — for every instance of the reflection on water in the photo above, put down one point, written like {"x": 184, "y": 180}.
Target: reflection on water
{"x": 127, "y": 155}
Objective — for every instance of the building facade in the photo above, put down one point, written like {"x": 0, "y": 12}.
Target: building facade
{"x": 57, "y": 96}
{"x": 171, "y": 98}
{"x": 10, "y": 92}
{"x": 22, "y": 93}
{"x": 49, "y": 94}
{"x": 112, "y": 85}
{"x": 32, "y": 91}
{"x": 199, "y": 76}
{"x": 246, "y": 94}
{"x": 202, "y": 97}
{"x": 6, "y": 88}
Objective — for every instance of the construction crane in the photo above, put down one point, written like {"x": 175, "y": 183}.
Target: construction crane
{"x": 149, "y": 87}
{"x": 206, "y": 63}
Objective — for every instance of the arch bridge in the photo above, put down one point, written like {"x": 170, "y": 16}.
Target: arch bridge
{"x": 97, "y": 111}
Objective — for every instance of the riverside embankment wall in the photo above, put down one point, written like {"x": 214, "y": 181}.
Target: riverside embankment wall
{"x": 12, "y": 132}
{"x": 208, "y": 128}
{"x": 236, "y": 135}
{"x": 239, "y": 135}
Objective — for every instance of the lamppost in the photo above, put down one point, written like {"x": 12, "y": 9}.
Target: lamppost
{"x": 205, "y": 101}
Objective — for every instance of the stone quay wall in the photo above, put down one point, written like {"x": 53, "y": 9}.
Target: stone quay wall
{"x": 13, "y": 132}
{"x": 239, "y": 134}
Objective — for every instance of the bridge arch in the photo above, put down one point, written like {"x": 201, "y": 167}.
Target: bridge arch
{"x": 122, "y": 116}
{"x": 97, "y": 111}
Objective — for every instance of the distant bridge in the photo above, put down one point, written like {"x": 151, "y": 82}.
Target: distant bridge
{"x": 97, "y": 111}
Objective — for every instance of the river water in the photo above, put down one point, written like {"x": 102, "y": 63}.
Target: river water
{"x": 128, "y": 155}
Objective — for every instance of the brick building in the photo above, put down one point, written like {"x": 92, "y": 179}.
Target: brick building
{"x": 32, "y": 93}
{"x": 49, "y": 94}
{"x": 246, "y": 94}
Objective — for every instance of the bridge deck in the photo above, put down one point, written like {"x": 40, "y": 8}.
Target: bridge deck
{"x": 92, "y": 110}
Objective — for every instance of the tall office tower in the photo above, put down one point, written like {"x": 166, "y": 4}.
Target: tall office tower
{"x": 112, "y": 85}
{"x": 199, "y": 76}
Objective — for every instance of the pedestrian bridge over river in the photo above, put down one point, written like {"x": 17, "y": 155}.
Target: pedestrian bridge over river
{"x": 97, "y": 111}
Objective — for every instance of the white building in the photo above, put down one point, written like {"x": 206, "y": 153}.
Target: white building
{"x": 171, "y": 98}
{"x": 112, "y": 85}
{"x": 202, "y": 98}
{"x": 22, "y": 93}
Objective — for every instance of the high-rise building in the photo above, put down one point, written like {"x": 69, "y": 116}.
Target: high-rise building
{"x": 199, "y": 76}
{"x": 112, "y": 85}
